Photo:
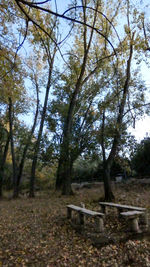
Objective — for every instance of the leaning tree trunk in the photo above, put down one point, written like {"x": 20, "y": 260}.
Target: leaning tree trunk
{"x": 15, "y": 193}
{"x": 21, "y": 165}
{"x": 108, "y": 163}
{"x": 109, "y": 196}
{"x": 37, "y": 145}
{"x": 32, "y": 179}
{"x": 3, "y": 163}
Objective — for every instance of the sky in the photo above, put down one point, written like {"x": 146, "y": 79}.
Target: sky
{"x": 142, "y": 127}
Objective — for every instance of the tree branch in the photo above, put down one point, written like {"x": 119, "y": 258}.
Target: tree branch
{"x": 32, "y": 5}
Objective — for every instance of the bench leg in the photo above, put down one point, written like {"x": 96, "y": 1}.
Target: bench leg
{"x": 144, "y": 221}
{"x": 69, "y": 211}
{"x": 103, "y": 209}
{"x": 81, "y": 218}
{"x": 99, "y": 224}
{"x": 134, "y": 225}
{"x": 119, "y": 211}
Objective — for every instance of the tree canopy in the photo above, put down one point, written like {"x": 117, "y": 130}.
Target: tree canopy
{"x": 74, "y": 73}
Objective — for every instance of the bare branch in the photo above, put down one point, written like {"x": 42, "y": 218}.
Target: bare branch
{"x": 32, "y": 5}
{"x": 145, "y": 35}
{"x": 21, "y": 44}
{"x": 41, "y": 3}
{"x": 134, "y": 108}
{"x": 86, "y": 7}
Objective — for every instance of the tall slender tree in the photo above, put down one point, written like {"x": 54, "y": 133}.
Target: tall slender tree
{"x": 49, "y": 50}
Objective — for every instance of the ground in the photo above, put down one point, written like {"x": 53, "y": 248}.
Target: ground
{"x": 36, "y": 232}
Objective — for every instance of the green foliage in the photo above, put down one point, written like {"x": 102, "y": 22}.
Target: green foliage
{"x": 141, "y": 158}
{"x": 87, "y": 169}
{"x": 45, "y": 177}
{"x": 121, "y": 165}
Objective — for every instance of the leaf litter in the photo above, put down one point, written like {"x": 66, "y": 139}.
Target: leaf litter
{"x": 36, "y": 232}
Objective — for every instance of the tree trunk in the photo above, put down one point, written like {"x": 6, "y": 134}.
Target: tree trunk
{"x": 63, "y": 181}
{"x": 67, "y": 189}
{"x": 66, "y": 186}
{"x": 32, "y": 180}
{"x": 15, "y": 192}
{"x": 58, "y": 185}
{"x": 107, "y": 163}
{"x": 109, "y": 196}
{"x": 3, "y": 163}
{"x": 37, "y": 145}
{"x": 65, "y": 171}
{"x": 21, "y": 165}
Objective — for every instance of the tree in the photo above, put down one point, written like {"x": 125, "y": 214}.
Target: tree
{"x": 82, "y": 137}
{"x": 12, "y": 83}
{"x": 34, "y": 75}
{"x": 87, "y": 63}
{"x": 118, "y": 100}
{"x": 141, "y": 158}
{"x": 83, "y": 72}
{"x": 49, "y": 50}
{"x": 12, "y": 74}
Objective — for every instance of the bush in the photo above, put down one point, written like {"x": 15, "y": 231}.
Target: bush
{"x": 87, "y": 170}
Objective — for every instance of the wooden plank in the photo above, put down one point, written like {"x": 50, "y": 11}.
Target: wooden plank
{"x": 111, "y": 204}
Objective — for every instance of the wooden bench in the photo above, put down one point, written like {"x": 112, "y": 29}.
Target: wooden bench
{"x": 82, "y": 211}
{"x": 133, "y": 216}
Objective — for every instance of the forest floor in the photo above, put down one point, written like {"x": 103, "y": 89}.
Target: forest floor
{"x": 36, "y": 232}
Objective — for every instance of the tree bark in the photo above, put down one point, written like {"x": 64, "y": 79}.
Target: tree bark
{"x": 12, "y": 148}
{"x": 109, "y": 196}
{"x": 3, "y": 164}
{"x": 59, "y": 175}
